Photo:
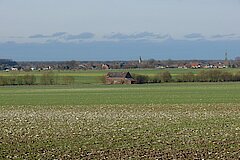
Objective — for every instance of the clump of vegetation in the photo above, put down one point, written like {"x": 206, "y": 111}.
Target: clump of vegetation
{"x": 202, "y": 76}
{"x": 236, "y": 76}
{"x": 214, "y": 76}
{"x": 2, "y": 81}
{"x": 29, "y": 79}
{"x": 165, "y": 76}
{"x": 47, "y": 78}
{"x": 186, "y": 77}
{"x": 18, "y": 80}
{"x": 140, "y": 79}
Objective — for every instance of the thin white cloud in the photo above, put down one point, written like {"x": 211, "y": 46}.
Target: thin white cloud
{"x": 84, "y": 35}
{"x": 136, "y": 36}
{"x": 54, "y": 35}
{"x": 58, "y": 34}
{"x": 64, "y": 36}
{"x": 224, "y": 36}
{"x": 194, "y": 36}
{"x": 38, "y": 36}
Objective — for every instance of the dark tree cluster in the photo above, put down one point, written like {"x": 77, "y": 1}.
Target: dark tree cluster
{"x": 164, "y": 76}
{"x": 7, "y": 63}
{"x": 47, "y": 78}
{"x": 202, "y": 76}
{"x": 209, "y": 76}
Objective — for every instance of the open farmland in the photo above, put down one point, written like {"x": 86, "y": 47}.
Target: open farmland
{"x": 166, "y": 120}
{"x": 94, "y": 76}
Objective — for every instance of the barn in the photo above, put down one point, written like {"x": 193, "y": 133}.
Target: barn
{"x": 119, "y": 78}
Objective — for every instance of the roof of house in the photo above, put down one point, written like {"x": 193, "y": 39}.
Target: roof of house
{"x": 119, "y": 75}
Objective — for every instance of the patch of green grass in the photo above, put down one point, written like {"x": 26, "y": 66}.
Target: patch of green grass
{"x": 163, "y": 93}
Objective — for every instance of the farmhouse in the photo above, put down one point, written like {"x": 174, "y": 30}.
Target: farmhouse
{"x": 119, "y": 78}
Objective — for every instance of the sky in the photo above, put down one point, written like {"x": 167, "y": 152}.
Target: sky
{"x": 118, "y": 26}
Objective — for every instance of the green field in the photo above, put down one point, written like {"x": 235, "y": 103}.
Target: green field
{"x": 96, "y": 121}
{"x": 94, "y": 76}
{"x": 163, "y": 93}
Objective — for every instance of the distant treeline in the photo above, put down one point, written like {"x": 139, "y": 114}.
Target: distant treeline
{"x": 47, "y": 78}
{"x": 50, "y": 78}
{"x": 202, "y": 76}
{"x": 8, "y": 62}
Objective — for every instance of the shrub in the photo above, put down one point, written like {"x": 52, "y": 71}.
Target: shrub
{"x": 186, "y": 77}
{"x": 215, "y": 76}
{"x": 140, "y": 79}
{"x": 236, "y": 76}
{"x": 20, "y": 80}
{"x": 202, "y": 77}
{"x": 165, "y": 76}
{"x": 48, "y": 78}
{"x": 29, "y": 79}
{"x": 226, "y": 76}
{"x": 11, "y": 80}
{"x": 155, "y": 79}
{"x": 2, "y": 81}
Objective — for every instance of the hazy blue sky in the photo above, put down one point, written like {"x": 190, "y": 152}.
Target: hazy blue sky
{"x": 174, "y": 17}
{"x": 72, "y": 21}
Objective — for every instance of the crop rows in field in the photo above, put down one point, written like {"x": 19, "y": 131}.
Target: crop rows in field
{"x": 120, "y": 131}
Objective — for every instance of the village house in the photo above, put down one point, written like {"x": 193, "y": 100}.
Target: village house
{"x": 196, "y": 65}
{"x": 119, "y": 78}
{"x": 14, "y": 69}
{"x": 105, "y": 67}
